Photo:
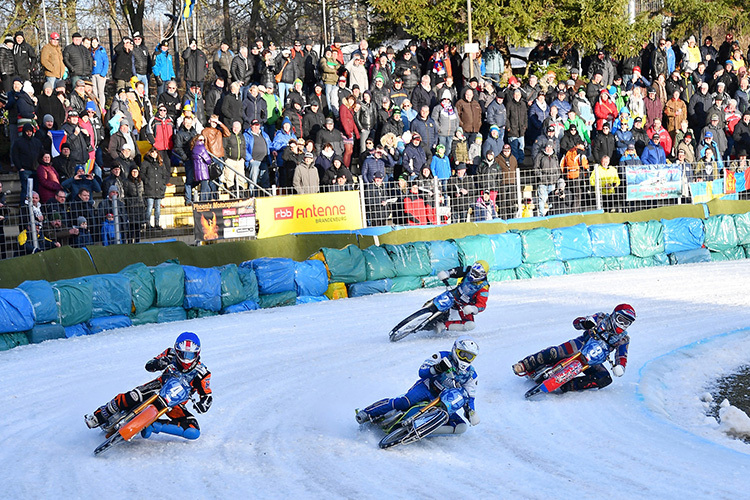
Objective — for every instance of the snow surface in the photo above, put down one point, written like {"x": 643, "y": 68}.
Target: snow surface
{"x": 286, "y": 383}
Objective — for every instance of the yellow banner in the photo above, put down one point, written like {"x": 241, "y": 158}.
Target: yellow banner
{"x": 308, "y": 213}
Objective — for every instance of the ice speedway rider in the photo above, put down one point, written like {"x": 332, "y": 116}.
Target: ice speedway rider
{"x": 470, "y": 296}
{"x": 185, "y": 357}
{"x": 441, "y": 371}
{"x": 611, "y": 328}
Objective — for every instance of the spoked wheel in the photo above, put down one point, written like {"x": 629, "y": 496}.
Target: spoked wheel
{"x": 110, "y": 442}
{"x": 395, "y": 437}
{"x": 411, "y": 324}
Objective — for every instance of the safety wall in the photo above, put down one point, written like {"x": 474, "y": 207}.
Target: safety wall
{"x": 39, "y": 310}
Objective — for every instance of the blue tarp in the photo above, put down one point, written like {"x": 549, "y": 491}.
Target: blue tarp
{"x": 540, "y": 269}
{"x": 16, "y": 311}
{"x": 572, "y": 242}
{"x": 247, "y": 305}
{"x": 684, "y": 233}
{"x": 508, "y": 250}
{"x": 378, "y": 263}
{"x": 47, "y": 331}
{"x": 249, "y": 280}
{"x": 690, "y": 256}
{"x": 110, "y": 295}
{"x": 202, "y": 288}
{"x": 609, "y": 240}
{"x": 274, "y": 275}
{"x": 443, "y": 256}
{"x": 310, "y": 278}
{"x": 100, "y": 324}
{"x": 77, "y": 330}
{"x": 369, "y": 287}
{"x": 42, "y": 298}
{"x": 308, "y": 299}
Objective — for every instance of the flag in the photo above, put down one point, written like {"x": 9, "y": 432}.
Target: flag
{"x": 730, "y": 183}
{"x": 89, "y": 167}
{"x": 58, "y": 139}
{"x": 187, "y": 11}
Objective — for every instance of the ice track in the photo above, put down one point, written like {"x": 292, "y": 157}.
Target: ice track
{"x": 286, "y": 383}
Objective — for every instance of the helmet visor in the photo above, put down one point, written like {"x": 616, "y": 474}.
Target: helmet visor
{"x": 622, "y": 322}
{"x": 465, "y": 355}
{"x": 187, "y": 355}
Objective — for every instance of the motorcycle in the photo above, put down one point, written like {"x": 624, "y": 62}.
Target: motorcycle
{"x": 421, "y": 420}
{"x": 594, "y": 352}
{"x": 425, "y": 318}
{"x": 125, "y": 426}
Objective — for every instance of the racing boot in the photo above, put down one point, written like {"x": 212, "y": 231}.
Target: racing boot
{"x": 361, "y": 416}
{"x": 519, "y": 369}
{"x": 102, "y": 415}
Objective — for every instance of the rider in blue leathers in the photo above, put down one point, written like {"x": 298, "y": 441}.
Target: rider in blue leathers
{"x": 442, "y": 371}
{"x": 611, "y": 328}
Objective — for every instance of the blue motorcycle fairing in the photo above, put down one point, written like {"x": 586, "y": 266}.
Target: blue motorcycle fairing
{"x": 444, "y": 301}
{"x": 595, "y": 351}
{"x": 453, "y": 400}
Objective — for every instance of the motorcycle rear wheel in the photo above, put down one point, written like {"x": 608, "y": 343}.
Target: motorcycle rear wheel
{"x": 411, "y": 324}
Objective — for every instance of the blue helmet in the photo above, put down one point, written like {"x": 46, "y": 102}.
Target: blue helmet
{"x": 187, "y": 347}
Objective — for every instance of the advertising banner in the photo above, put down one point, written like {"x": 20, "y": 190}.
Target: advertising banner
{"x": 308, "y": 213}
{"x": 653, "y": 182}
{"x": 222, "y": 220}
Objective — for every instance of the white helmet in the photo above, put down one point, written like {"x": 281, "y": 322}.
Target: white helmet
{"x": 464, "y": 351}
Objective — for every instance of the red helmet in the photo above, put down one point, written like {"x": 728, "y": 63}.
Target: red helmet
{"x": 622, "y": 317}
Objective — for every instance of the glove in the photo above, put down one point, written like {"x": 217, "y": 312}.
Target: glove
{"x": 157, "y": 364}
{"x": 204, "y": 403}
{"x": 443, "y": 366}
{"x": 469, "y": 310}
{"x": 618, "y": 370}
{"x": 583, "y": 323}
{"x": 443, "y": 275}
{"x": 472, "y": 417}
{"x": 159, "y": 81}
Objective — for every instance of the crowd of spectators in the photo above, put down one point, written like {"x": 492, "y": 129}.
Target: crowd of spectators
{"x": 433, "y": 135}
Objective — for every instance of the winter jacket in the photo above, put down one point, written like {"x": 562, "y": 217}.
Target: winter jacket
{"x": 413, "y": 159}
{"x": 48, "y": 182}
{"x": 215, "y": 139}
{"x": 653, "y": 154}
{"x": 196, "y": 65}
{"x": 426, "y": 129}
{"x": 24, "y": 58}
{"x": 155, "y": 178}
{"x": 241, "y": 70}
{"x": 605, "y": 110}
{"x": 608, "y": 179}
{"x": 329, "y": 70}
{"x": 141, "y": 59}
{"x": 201, "y": 162}
{"x": 254, "y": 108}
{"x": 78, "y": 60}
{"x": 604, "y": 145}
{"x": 101, "y": 62}
{"x": 547, "y": 169}
{"x": 572, "y": 164}
{"x": 496, "y": 114}
{"x": 422, "y": 97}
{"x": 281, "y": 141}
{"x": 373, "y": 165}
{"x": 367, "y": 116}
{"x": 675, "y": 111}
{"x": 7, "y": 62}
{"x": 347, "y": 122}
{"x": 123, "y": 63}
{"x": 250, "y": 143}
{"x": 222, "y": 64}
{"x": 333, "y": 137}
{"x": 491, "y": 176}
{"x": 698, "y": 109}
{"x": 470, "y": 115}
{"x": 518, "y": 118}
{"x": 235, "y": 147}
{"x": 230, "y": 109}
{"x": 164, "y": 66}
{"x": 312, "y": 123}
{"x": 52, "y": 61}
{"x": 508, "y": 166}
{"x": 306, "y": 180}
{"x": 440, "y": 167}
{"x": 446, "y": 120}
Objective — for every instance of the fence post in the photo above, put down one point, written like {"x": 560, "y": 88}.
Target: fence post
{"x": 597, "y": 188}
{"x": 362, "y": 201}
{"x": 32, "y": 219}
{"x": 519, "y": 195}
{"x": 436, "y": 194}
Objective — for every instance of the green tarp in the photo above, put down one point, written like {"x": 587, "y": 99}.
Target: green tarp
{"x": 346, "y": 265}
{"x": 142, "y": 291}
{"x": 11, "y": 340}
{"x": 74, "y": 299}
{"x": 585, "y": 265}
{"x": 410, "y": 259}
{"x": 378, "y": 263}
{"x": 169, "y": 282}
{"x": 721, "y": 233}
{"x": 278, "y": 300}
{"x": 538, "y": 245}
{"x": 646, "y": 238}
{"x": 232, "y": 291}
{"x": 405, "y": 283}
{"x": 474, "y": 248}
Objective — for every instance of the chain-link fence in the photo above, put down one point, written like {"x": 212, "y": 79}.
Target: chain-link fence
{"x": 428, "y": 201}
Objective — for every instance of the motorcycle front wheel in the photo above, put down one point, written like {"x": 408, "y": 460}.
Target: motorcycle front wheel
{"x": 394, "y": 438}
{"x": 412, "y": 323}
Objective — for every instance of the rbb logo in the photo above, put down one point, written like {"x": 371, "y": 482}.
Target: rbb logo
{"x": 283, "y": 213}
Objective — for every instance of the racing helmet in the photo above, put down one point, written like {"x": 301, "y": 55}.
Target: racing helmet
{"x": 187, "y": 347}
{"x": 478, "y": 271}
{"x": 621, "y": 318}
{"x": 464, "y": 352}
